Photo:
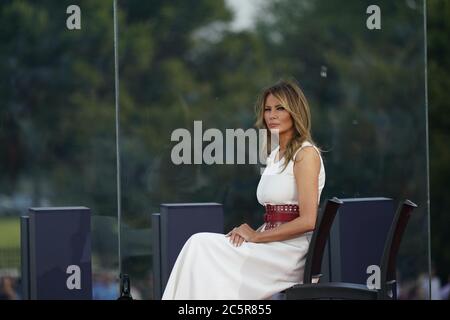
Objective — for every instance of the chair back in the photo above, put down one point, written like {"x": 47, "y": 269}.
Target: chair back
{"x": 392, "y": 245}
{"x": 319, "y": 239}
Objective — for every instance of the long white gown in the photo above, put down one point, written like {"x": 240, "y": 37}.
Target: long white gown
{"x": 209, "y": 267}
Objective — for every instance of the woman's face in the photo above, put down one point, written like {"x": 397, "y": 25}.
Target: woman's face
{"x": 276, "y": 117}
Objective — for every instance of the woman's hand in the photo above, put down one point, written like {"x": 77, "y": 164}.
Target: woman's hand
{"x": 240, "y": 234}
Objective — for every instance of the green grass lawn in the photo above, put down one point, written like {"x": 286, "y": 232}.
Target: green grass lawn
{"x": 10, "y": 243}
{"x": 9, "y": 233}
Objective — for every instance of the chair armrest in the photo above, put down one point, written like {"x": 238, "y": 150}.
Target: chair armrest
{"x": 338, "y": 290}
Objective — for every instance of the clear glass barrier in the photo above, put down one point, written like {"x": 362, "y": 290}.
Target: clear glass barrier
{"x": 362, "y": 68}
{"x": 57, "y": 141}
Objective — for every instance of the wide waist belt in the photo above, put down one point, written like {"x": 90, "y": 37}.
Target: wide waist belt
{"x": 280, "y": 213}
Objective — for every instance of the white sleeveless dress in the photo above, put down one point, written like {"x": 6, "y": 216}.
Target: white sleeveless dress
{"x": 209, "y": 267}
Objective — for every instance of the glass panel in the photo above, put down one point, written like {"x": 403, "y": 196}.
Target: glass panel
{"x": 367, "y": 91}
{"x": 57, "y": 123}
{"x": 366, "y": 86}
{"x": 438, "y": 67}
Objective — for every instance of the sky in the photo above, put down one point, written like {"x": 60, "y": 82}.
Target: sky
{"x": 244, "y": 12}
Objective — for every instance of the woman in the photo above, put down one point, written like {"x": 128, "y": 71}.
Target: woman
{"x": 256, "y": 264}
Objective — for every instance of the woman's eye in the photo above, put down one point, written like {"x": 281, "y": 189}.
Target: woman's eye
{"x": 267, "y": 109}
{"x": 280, "y": 108}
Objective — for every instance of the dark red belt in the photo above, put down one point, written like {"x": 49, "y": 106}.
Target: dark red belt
{"x": 279, "y": 213}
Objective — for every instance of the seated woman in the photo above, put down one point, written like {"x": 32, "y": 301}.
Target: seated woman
{"x": 256, "y": 264}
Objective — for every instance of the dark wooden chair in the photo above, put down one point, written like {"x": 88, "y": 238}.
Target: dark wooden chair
{"x": 317, "y": 245}
{"x": 341, "y": 290}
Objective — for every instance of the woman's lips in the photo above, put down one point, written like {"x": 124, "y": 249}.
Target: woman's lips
{"x": 273, "y": 125}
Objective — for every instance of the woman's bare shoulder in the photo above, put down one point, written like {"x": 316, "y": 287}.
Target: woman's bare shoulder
{"x": 307, "y": 153}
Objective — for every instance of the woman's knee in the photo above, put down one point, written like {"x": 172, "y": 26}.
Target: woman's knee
{"x": 203, "y": 237}
{"x": 200, "y": 236}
